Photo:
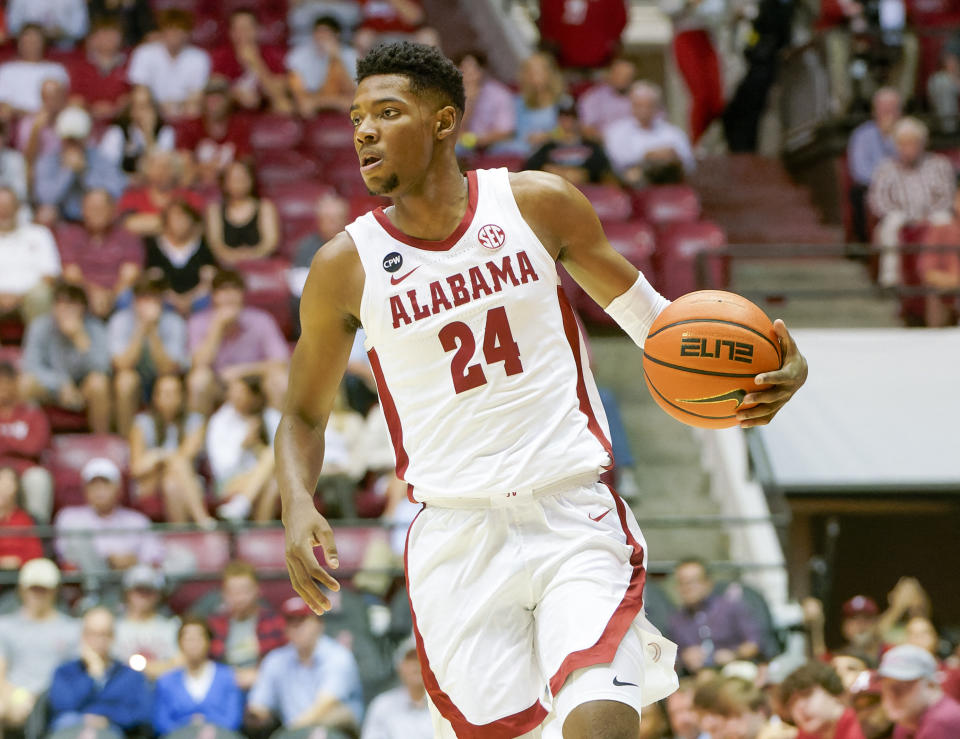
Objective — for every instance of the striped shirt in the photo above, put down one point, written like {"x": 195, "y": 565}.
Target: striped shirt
{"x": 917, "y": 192}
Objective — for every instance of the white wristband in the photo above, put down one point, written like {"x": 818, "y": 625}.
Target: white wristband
{"x": 637, "y": 309}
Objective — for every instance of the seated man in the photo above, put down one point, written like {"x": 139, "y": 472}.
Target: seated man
{"x": 912, "y": 696}
{"x": 99, "y": 76}
{"x": 21, "y": 78}
{"x": 913, "y": 187}
{"x": 711, "y": 629}
{"x": 33, "y": 641}
{"x": 63, "y": 175}
{"x": 24, "y": 435}
{"x": 568, "y": 154}
{"x": 36, "y": 134}
{"x": 255, "y": 71}
{"x": 146, "y": 340}
{"x": 643, "y": 148}
{"x": 244, "y": 630}
{"x": 870, "y": 144}
{"x": 312, "y": 681}
{"x": 143, "y": 634}
{"x": 142, "y": 206}
{"x": 29, "y": 262}
{"x": 173, "y": 69}
{"x": 63, "y": 21}
{"x": 202, "y": 692}
{"x": 608, "y": 101}
{"x": 322, "y": 70}
{"x": 729, "y": 707}
{"x": 124, "y": 539}
{"x": 66, "y": 359}
{"x": 491, "y": 115}
{"x": 230, "y": 340}
{"x": 813, "y": 698}
{"x": 333, "y": 214}
{"x": 96, "y": 691}
{"x": 401, "y": 713}
{"x": 100, "y": 255}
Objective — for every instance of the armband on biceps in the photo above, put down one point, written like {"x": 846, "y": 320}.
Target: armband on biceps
{"x": 637, "y": 309}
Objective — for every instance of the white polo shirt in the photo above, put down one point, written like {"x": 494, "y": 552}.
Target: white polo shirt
{"x": 27, "y": 255}
{"x": 20, "y": 82}
{"x": 170, "y": 79}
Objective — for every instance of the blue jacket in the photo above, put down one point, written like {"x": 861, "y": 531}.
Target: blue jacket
{"x": 174, "y": 708}
{"x": 125, "y": 697}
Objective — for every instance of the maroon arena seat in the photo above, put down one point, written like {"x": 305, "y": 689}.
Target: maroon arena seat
{"x": 296, "y": 200}
{"x": 274, "y": 131}
{"x": 513, "y": 162}
{"x": 70, "y": 452}
{"x": 197, "y": 552}
{"x": 329, "y": 130}
{"x": 65, "y": 420}
{"x": 610, "y": 201}
{"x": 281, "y": 165}
{"x": 264, "y": 548}
{"x": 675, "y": 258}
{"x": 344, "y": 175}
{"x": 666, "y": 204}
{"x": 267, "y": 289}
{"x": 360, "y": 204}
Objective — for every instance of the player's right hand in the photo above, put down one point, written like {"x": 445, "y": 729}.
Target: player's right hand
{"x": 305, "y": 529}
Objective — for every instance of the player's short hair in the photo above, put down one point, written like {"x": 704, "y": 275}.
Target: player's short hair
{"x": 428, "y": 70}
{"x": 810, "y": 675}
{"x": 239, "y": 568}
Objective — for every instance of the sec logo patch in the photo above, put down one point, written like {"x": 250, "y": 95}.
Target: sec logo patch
{"x": 491, "y": 236}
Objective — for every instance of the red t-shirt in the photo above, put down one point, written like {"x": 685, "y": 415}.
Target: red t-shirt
{"x": 223, "y": 61}
{"x": 941, "y": 721}
{"x": 24, "y": 547}
{"x": 847, "y": 728}
{"x": 137, "y": 200}
{"x": 951, "y": 682}
{"x": 24, "y": 434}
{"x": 233, "y": 144}
{"x": 87, "y": 81}
{"x": 382, "y": 17}
{"x": 585, "y": 32}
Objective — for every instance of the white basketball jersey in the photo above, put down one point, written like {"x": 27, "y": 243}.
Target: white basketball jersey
{"x": 482, "y": 372}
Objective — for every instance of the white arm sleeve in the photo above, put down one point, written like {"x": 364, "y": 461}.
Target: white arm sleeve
{"x": 637, "y": 309}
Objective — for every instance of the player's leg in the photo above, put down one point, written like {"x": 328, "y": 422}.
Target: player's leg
{"x": 602, "y": 720}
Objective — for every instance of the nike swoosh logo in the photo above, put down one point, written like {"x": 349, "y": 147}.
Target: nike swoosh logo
{"x": 619, "y": 684}
{"x": 735, "y": 395}
{"x": 394, "y": 280}
{"x": 600, "y": 516}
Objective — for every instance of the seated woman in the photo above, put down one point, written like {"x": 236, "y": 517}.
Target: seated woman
{"x": 242, "y": 226}
{"x": 137, "y": 130}
{"x": 202, "y": 692}
{"x": 541, "y": 92}
{"x": 181, "y": 253}
{"x": 14, "y": 550}
{"x": 164, "y": 444}
{"x": 240, "y": 451}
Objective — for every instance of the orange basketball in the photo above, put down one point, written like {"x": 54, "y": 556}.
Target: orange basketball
{"x": 702, "y": 354}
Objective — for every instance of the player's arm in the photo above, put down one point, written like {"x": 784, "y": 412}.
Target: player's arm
{"x": 568, "y": 227}
{"x": 328, "y": 309}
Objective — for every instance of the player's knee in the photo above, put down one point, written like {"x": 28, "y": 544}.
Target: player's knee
{"x": 602, "y": 720}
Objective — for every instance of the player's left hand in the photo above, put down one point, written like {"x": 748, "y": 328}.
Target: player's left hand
{"x": 784, "y": 383}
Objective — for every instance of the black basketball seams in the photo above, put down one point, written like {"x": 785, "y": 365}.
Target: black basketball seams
{"x": 738, "y": 375}
{"x": 683, "y": 410}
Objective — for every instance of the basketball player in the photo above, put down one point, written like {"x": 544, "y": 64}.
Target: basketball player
{"x": 525, "y": 574}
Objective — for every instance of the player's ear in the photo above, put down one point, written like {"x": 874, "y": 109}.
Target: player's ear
{"x": 446, "y": 122}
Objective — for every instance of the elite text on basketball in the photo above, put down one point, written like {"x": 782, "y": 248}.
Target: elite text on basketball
{"x": 736, "y": 351}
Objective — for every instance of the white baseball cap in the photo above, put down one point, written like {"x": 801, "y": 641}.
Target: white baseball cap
{"x": 907, "y": 662}
{"x": 39, "y": 573}
{"x": 100, "y": 467}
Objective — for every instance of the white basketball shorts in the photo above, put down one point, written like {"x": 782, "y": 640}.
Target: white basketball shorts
{"x": 520, "y": 608}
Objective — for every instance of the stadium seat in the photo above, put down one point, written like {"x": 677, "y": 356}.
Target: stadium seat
{"x": 267, "y": 289}
{"x": 360, "y": 204}
{"x": 294, "y": 231}
{"x": 264, "y": 548}
{"x": 11, "y": 329}
{"x": 196, "y": 552}
{"x": 296, "y": 200}
{"x": 937, "y": 15}
{"x": 676, "y": 258}
{"x": 183, "y": 597}
{"x": 11, "y": 354}
{"x": 610, "y": 202}
{"x": 281, "y": 165}
{"x": 65, "y": 420}
{"x": 207, "y": 31}
{"x": 273, "y": 131}
{"x": 666, "y": 204}
{"x": 329, "y": 130}
{"x": 513, "y": 162}
{"x": 70, "y": 452}
{"x": 344, "y": 175}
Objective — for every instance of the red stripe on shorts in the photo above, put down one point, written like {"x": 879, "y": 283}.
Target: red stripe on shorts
{"x": 603, "y": 651}
{"x": 390, "y": 414}
{"x": 572, "y": 333}
{"x": 507, "y": 727}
